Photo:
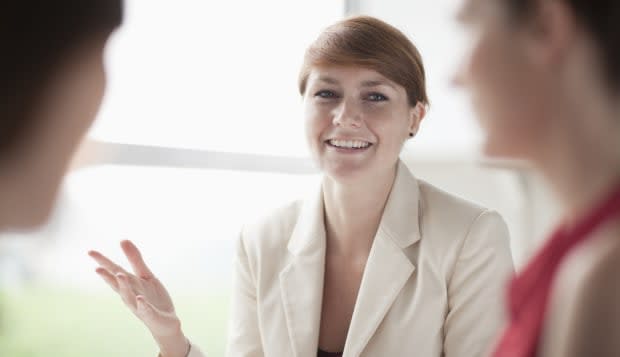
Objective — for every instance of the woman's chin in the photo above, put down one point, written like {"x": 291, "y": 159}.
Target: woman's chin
{"x": 499, "y": 149}
{"x": 346, "y": 171}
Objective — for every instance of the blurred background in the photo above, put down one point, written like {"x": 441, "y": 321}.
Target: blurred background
{"x": 201, "y": 131}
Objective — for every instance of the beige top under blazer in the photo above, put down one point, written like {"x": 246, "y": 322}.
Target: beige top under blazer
{"x": 433, "y": 284}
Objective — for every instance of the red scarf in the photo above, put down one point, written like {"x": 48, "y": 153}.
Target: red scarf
{"x": 529, "y": 291}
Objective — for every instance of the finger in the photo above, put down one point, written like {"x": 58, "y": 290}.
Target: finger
{"x": 108, "y": 278}
{"x": 106, "y": 263}
{"x": 135, "y": 259}
{"x": 125, "y": 291}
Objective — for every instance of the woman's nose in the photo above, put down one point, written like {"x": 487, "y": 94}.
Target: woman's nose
{"x": 347, "y": 115}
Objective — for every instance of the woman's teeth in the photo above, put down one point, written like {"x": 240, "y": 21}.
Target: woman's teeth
{"x": 349, "y": 144}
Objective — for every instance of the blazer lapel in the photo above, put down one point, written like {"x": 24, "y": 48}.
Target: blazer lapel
{"x": 301, "y": 282}
{"x": 388, "y": 268}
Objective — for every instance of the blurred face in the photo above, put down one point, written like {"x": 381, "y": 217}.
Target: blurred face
{"x": 356, "y": 121}
{"x": 67, "y": 109}
{"x": 509, "y": 89}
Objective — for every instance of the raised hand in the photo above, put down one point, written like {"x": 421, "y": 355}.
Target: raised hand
{"x": 146, "y": 297}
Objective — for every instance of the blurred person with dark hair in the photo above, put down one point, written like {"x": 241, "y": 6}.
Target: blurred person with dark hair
{"x": 52, "y": 83}
{"x": 375, "y": 262}
{"x": 544, "y": 76}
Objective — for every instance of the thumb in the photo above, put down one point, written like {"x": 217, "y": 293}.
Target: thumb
{"x": 159, "y": 322}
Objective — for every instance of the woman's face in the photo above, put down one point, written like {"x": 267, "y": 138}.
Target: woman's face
{"x": 509, "y": 89}
{"x": 66, "y": 111}
{"x": 356, "y": 121}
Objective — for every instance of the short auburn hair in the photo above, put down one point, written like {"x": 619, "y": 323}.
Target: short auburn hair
{"x": 368, "y": 42}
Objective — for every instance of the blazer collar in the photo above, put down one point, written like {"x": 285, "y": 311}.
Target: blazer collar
{"x": 309, "y": 232}
{"x": 400, "y": 220}
{"x": 301, "y": 281}
{"x": 387, "y": 269}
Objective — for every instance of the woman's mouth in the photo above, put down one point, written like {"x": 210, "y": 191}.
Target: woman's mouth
{"x": 348, "y": 145}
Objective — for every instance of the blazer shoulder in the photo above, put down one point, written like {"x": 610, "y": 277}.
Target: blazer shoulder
{"x": 468, "y": 222}
{"x": 447, "y": 206}
{"x": 273, "y": 229}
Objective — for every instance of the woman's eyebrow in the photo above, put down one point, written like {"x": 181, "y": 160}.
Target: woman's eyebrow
{"x": 326, "y": 79}
{"x": 377, "y": 82}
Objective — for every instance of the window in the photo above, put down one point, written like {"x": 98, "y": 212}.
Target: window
{"x": 212, "y": 75}
{"x": 198, "y": 91}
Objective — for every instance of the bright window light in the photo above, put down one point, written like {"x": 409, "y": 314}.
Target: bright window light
{"x": 213, "y": 75}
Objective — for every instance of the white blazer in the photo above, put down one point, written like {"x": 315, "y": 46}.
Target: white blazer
{"x": 433, "y": 283}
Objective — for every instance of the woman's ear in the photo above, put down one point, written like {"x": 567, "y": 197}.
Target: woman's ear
{"x": 552, "y": 28}
{"x": 416, "y": 114}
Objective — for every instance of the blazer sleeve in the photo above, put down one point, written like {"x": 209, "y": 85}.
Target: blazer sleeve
{"x": 476, "y": 288}
{"x": 195, "y": 352}
{"x": 244, "y": 339}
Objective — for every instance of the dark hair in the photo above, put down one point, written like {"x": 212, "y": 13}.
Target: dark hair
{"x": 601, "y": 18}
{"x": 36, "y": 37}
{"x": 371, "y": 43}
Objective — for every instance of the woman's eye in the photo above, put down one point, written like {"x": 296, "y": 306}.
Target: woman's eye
{"x": 377, "y": 97}
{"x": 326, "y": 94}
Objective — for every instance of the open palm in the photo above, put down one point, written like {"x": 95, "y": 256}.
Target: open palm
{"x": 141, "y": 291}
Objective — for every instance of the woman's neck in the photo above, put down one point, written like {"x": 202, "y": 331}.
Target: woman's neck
{"x": 582, "y": 163}
{"x": 353, "y": 212}
{"x": 588, "y": 184}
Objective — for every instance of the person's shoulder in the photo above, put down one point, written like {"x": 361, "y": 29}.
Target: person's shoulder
{"x": 592, "y": 266}
{"x": 434, "y": 197}
{"x": 439, "y": 206}
{"x": 455, "y": 228}
{"x": 275, "y": 226}
{"x": 598, "y": 283}
{"x": 585, "y": 310}
{"x": 263, "y": 244}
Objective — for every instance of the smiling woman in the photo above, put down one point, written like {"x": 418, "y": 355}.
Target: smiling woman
{"x": 363, "y": 82}
{"x": 373, "y": 255}
{"x": 357, "y": 111}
